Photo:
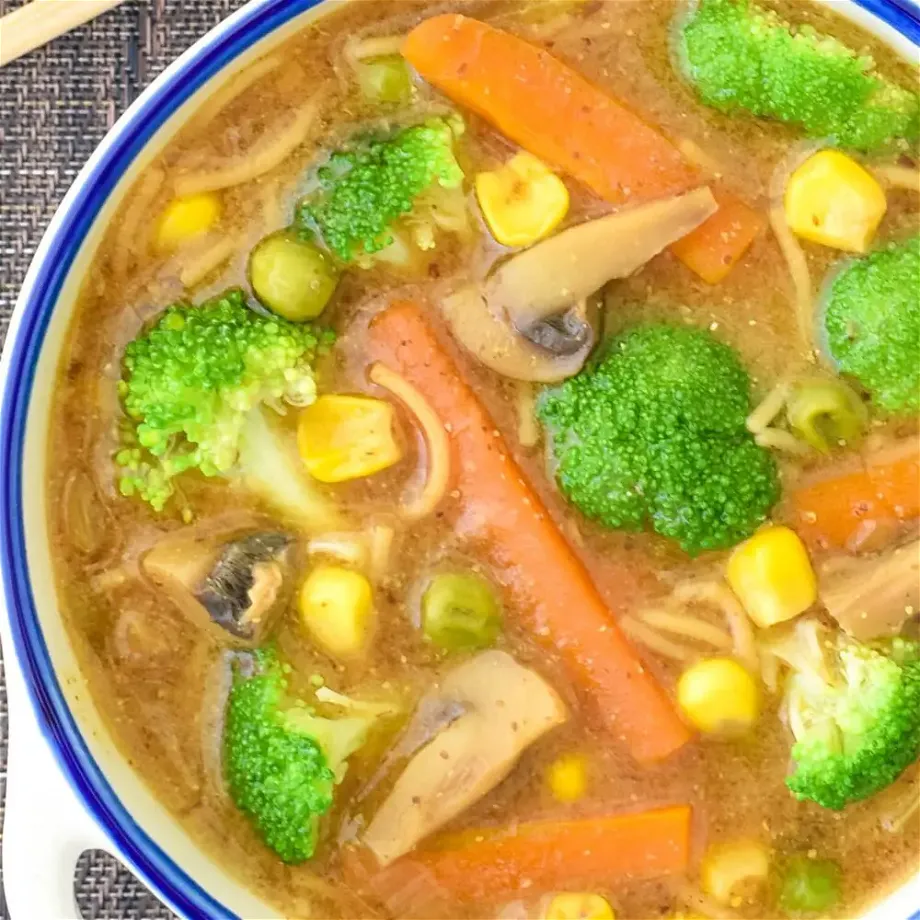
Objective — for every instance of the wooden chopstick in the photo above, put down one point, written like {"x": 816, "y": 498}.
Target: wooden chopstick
{"x": 40, "y": 21}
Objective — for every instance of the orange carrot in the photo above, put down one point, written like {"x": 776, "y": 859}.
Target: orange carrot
{"x": 833, "y": 511}
{"x": 484, "y": 865}
{"x": 713, "y": 248}
{"x": 549, "y": 109}
{"x": 555, "y": 596}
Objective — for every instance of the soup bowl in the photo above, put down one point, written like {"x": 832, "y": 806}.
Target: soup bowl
{"x": 69, "y": 789}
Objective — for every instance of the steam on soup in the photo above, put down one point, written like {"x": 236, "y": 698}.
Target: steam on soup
{"x": 485, "y": 465}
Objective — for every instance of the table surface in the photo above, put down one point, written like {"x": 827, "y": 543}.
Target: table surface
{"x": 55, "y": 106}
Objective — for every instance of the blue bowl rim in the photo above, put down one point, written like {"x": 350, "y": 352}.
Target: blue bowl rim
{"x": 129, "y": 137}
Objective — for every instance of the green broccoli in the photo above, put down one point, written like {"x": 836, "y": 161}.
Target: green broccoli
{"x": 872, "y": 324}
{"x": 383, "y": 198}
{"x": 855, "y": 718}
{"x": 281, "y": 761}
{"x": 190, "y": 381}
{"x": 739, "y": 56}
{"x": 655, "y": 434}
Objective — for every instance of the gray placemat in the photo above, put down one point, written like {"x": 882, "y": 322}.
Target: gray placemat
{"x": 55, "y": 106}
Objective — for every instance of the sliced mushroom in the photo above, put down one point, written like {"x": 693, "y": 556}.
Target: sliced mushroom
{"x": 873, "y": 596}
{"x": 527, "y": 321}
{"x": 508, "y": 707}
{"x": 232, "y": 581}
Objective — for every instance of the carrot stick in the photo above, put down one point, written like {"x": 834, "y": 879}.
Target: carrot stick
{"x": 537, "y": 857}
{"x": 549, "y": 109}
{"x": 832, "y": 512}
{"x": 555, "y": 597}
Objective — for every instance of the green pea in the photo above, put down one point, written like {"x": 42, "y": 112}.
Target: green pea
{"x": 385, "y": 79}
{"x": 461, "y": 612}
{"x": 809, "y": 886}
{"x": 291, "y": 276}
{"x": 826, "y": 413}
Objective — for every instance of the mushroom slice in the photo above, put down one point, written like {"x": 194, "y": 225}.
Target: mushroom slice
{"x": 234, "y": 582}
{"x": 508, "y": 707}
{"x": 873, "y": 596}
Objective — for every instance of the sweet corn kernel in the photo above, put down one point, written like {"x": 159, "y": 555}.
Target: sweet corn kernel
{"x": 831, "y": 199}
{"x": 336, "y": 605}
{"x": 185, "y": 218}
{"x": 772, "y": 576}
{"x": 581, "y": 906}
{"x": 346, "y": 437}
{"x": 734, "y": 869}
{"x": 718, "y": 696}
{"x": 522, "y": 201}
{"x": 568, "y": 778}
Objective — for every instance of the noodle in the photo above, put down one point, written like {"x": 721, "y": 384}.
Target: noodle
{"x": 137, "y": 215}
{"x": 435, "y": 437}
{"x": 904, "y": 177}
{"x": 798, "y": 269}
{"x": 655, "y": 641}
{"x": 235, "y": 87}
{"x": 777, "y": 439}
{"x": 692, "y": 151}
{"x": 201, "y": 264}
{"x": 380, "y": 544}
{"x": 526, "y": 405}
{"x": 264, "y": 156}
{"x": 771, "y": 406}
{"x": 360, "y": 49}
{"x": 344, "y": 546}
{"x": 687, "y": 626}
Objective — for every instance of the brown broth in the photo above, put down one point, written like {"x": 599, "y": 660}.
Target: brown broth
{"x": 152, "y": 672}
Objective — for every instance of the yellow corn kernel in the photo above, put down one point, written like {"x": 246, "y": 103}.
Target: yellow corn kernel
{"x": 580, "y": 906}
{"x": 522, "y": 201}
{"x": 185, "y": 218}
{"x": 772, "y": 576}
{"x": 346, "y": 437}
{"x": 718, "y": 696}
{"x": 831, "y": 199}
{"x": 336, "y": 606}
{"x": 734, "y": 871}
{"x": 567, "y": 777}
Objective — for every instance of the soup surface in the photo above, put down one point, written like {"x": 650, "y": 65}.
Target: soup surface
{"x": 514, "y": 511}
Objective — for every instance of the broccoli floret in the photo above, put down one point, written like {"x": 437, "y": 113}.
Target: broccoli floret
{"x": 190, "y": 381}
{"x": 654, "y": 435}
{"x": 740, "y": 56}
{"x": 872, "y": 324}
{"x": 282, "y": 761}
{"x": 382, "y": 197}
{"x": 856, "y": 721}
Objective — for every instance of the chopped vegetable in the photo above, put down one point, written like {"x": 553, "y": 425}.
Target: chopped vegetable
{"x": 384, "y": 80}
{"x": 186, "y": 218}
{"x": 347, "y": 437}
{"x": 809, "y": 886}
{"x": 281, "y": 762}
{"x": 398, "y": 191}
{"x": 336, "y": 608}
{"x": 772, "y": 576}
{"x": 582, "y": 906}
{"x": 191, "y": 380}
{"x": 718, "y": 696}
{"x": 483, "y": 864}
{"x": 501, "y": 709}
{"x": 872, "y": 324}
{"x": 292, "y": 276}
{"x": 654, "y": 434}
{"x": 460, "y": 612}
{"x": 567, "y": 778}
{"x": 854, "y": 711}
{"x": 740, "y": 56}
{"x": 826, "y": 413}
{"x": 830, "y": 199}
{"x": 521, "y": 89}
{"x": 553, "y": 594}
{"x": 841, "y": 510}
{"x": 734, "y": 869}
{"x": 522, "y": 201}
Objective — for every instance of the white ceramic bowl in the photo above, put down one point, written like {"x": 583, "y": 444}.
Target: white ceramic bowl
{"x": 68, "y": 788}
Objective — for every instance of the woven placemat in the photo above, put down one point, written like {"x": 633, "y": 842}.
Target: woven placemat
{"x": 55, "y": 106}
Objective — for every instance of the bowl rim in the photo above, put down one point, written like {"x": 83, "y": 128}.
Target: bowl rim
{"x": 41, "y": 290}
